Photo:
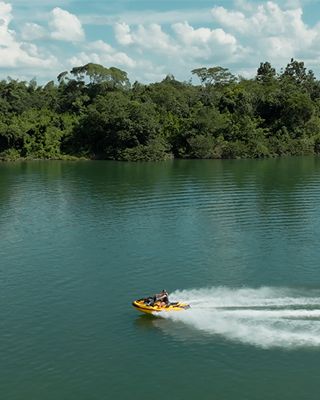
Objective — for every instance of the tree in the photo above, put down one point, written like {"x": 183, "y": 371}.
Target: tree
{"x": 297, "y": 72}
{"x": 94, "y": 112}
{"x": 62, "y": 76}
{"x": 265, "y": 72}
{"x": 214, "y": 75}
{"x": 97, "y": 73}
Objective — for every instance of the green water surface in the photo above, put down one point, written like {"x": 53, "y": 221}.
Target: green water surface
{"x": 79, "y": 241}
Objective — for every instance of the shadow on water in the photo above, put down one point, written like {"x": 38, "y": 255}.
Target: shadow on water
{"x": 145, "y": 321}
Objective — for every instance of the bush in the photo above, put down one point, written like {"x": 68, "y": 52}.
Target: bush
{"x": 155, "y": 150}
{"x": 201, "y": 146}
{"x": 10, "y": 155}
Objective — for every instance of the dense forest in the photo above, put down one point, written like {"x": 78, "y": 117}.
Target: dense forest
{"x": 94, "y": 112}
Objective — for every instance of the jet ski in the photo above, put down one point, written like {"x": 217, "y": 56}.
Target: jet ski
{"x": 147, "y": 306}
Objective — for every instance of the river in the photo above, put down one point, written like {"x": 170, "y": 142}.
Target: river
{"x": 238, "y": 240}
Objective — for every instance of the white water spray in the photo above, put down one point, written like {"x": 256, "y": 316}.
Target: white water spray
{"x": 264, "y": 317}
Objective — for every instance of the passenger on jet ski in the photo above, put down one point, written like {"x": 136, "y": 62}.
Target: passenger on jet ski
{"x": 161, "y": 298}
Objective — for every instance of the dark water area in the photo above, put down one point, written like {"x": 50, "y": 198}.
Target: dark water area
{"x": 239, "y": 240}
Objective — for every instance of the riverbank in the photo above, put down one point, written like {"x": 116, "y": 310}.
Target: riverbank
{"x": 221, "y": 151}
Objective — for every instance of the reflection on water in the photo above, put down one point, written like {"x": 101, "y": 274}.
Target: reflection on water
{"x": 144, "y": 321}
{"x": 271, "y": 182}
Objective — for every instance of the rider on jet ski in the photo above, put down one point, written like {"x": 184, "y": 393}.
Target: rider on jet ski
{"x": 162, "y": 297}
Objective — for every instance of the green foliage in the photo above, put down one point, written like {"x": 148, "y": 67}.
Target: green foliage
{"x": 154, "y": 150}
{"x": 98, "y": 74}
{"x": 266, "y": 73}
{"x": 201, "y": 146}
{"x": 214, "y": 75}
{"x": 296, "y": 72}
{"x": 10, "y": 155}
{"x": 94, "y": 112}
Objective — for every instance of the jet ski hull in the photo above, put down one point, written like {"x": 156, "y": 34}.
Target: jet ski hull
{"x": 141, "y": 305}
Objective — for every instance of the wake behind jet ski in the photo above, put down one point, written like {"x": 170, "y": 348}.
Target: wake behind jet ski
{"x": 158, "y": 303}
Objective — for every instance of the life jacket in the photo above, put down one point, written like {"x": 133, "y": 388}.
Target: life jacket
{"x": 161, "y": 296}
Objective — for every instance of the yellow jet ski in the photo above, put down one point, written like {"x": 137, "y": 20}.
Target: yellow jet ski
{"x": 144, "y": 305}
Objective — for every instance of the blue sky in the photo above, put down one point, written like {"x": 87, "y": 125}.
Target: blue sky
{"x": 150, "y": 39}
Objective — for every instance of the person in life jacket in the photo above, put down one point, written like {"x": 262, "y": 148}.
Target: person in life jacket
{"x": 162, "y": 297}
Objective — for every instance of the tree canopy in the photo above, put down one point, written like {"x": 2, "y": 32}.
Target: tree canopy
{"x": 93, "y": 111}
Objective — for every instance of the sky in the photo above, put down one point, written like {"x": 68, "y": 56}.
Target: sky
{"x": 150, "y": 39}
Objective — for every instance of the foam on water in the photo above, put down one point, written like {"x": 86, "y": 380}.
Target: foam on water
{"x": 264, "y": 317}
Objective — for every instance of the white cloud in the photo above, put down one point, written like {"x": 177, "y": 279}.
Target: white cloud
{"x": 5, "y": 11}
{"x": 15, "y": 54}
{"x": 154, "y": 38}
{"x": 207, "y": 44}
{"x": 147, "y": 71}
{"x": 100, "y": 52}
{"x": 32, "y": 31}
{"x": 238, "y": 37}
{"x": 230, "y": 19}
{"x": 122, "y": 33}
{"x": 6, "y": 35}
{"x": 109, "y": 60}
{"x": 101, "y": 46}
{"x": 244, "y": 5}
{"x": 22, "y": 55}
{"x": 65, "y": 26}
{"x": 152, "y": 44}
{"x": 184, "y": 43}
{"x": 146, "y": 17}
{"x": 30, "y": 49}
{"x": 270, "y": 31}
{"x": 189, "y": 35}
{"x": 150, "y": 37}
{"x": 267, "y": 19}
{"x": 278, "y": 47}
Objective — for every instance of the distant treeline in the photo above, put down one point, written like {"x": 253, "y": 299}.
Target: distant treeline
{"x": 94, "y": 112}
